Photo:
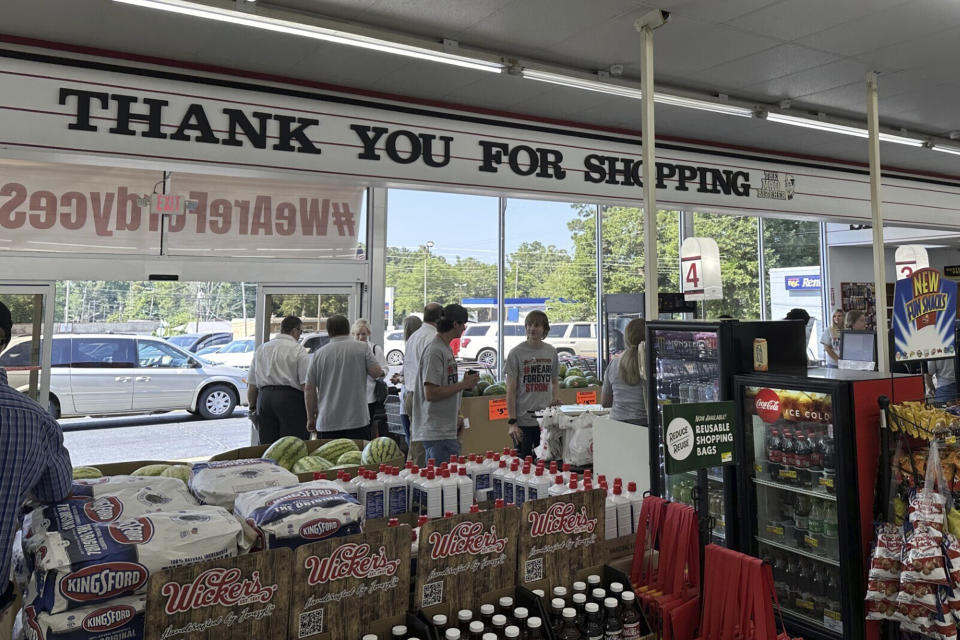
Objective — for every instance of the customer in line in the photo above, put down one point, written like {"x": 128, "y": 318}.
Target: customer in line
{"x": 855, "y": 320}
{"x": 625, "y": 383}
{"x": 275, "y": 382}
{"x": 831, "y": 339}
{"x": 33, "y": 462}
{"x": 532, "y": 371}
{"x": 942, "y": 379}
{"x": 378, "y": 413}
{"x": 336, "y": 389}
{"x": 416, "y": 345}
{"x": 436, "y": 414}
{"x": 410, "y": 325}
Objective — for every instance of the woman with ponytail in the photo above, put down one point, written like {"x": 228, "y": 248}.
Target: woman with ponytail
{"x": 625, "y": 384}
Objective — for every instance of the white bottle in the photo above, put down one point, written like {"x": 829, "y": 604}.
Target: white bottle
{"x": 465, "y": 490}
{"x": 510, "y": 483}
{"x": 406, "y": 471}
{"x": 343, "y": 480}
{"x": 476, "y": 628}
{"x": 610, "y": 517}
{"x": 479, "y": 472}
{"x": 538, "y": 486}
{"x": 359, "y": 478}
{"x": 372, "y": 497}
{"x": 431, "y": 496}
{"x": 452, "y": 634}
{"x": 520, "y": 486}
{"x": 397, "y": 499}
{"x": 624, "y": 511}
{"x": 496, "y": 479}
{"x": 558, "y": 488}
{"x": 451, "y": 493}
{"x": 413, "y": 490}
{"x": 636, "y": 503}
{"x": 587, "y": 475}
{"x": 566, "y": 472}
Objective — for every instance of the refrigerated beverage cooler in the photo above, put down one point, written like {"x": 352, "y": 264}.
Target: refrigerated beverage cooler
{"x": 809, "y": 449}
{"x": 695, "y": 362}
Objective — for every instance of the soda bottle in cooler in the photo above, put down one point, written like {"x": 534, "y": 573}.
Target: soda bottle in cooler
{"x": 801, "y": 520}
{"x": 829, "y": 453}
{"x": 816, "y": 454}
{"x": 791, "y": 586}
{"x": 780, "y": 575}
{"x": 774, "y": 453}
{"x": 788, "y": 473}
{"x": 805, "y": 584}
{"x": 801, "y": 456}
{"x": 818, "y": 591}
{"x": 815, "y": 522}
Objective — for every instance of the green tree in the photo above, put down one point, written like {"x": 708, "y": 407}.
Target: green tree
{"x": 736, "y": 237}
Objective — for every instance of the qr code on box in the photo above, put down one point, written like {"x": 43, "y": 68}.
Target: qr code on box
{"x": 311, "y": 622}
{"x": 432, "y": 594}
{"x": 533, "y": 570}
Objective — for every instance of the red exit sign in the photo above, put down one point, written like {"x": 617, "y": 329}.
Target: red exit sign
{"x": 162, "y": 203}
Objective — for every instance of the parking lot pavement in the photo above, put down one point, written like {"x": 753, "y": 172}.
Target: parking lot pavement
{"x": 177, "y": 435}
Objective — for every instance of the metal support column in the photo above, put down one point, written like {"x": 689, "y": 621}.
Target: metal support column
{"x": 648, "y": 132}
{"x": 825, "y": 284}
{"x": 762, "y": 268}
{"x": 876, "y": 206}
{"x": 375, "y": 300}
{"x": 501, "y": 288}
{"x": 601, "y": 325}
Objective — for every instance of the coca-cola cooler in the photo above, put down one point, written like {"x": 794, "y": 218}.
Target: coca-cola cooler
{"x": 695, "y": 362}
{"x": 809, "y": 449}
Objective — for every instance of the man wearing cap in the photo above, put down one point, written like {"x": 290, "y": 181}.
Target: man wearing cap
{"x": 33, "y": 462}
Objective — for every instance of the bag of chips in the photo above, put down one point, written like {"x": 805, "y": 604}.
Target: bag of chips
{"x": 923, "y": 558}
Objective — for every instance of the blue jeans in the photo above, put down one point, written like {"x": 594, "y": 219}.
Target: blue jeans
{"x": 946, "y": 392}
{"x": 405, "y": 421}
{"x": 441, "y": 450}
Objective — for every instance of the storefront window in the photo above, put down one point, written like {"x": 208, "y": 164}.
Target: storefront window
{"x": 791, "y": 250}
{"x": 736, "y": 237}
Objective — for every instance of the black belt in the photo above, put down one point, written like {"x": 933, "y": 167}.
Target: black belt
{"x": 280, "y": 387}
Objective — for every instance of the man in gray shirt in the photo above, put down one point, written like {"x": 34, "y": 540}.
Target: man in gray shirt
{"x": 414, "y": 350}
{"x": 336, "y": 389}
{"x": 533, "y": 383}
{"x": 436, "y": 403}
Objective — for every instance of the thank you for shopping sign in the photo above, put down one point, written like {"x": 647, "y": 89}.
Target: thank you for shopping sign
{"x": 924, "y": 315}
{"x": 698, "y": 435}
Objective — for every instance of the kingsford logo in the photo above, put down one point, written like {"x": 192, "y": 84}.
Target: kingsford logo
{"x": 139, "y": 531}
{"x": 466, "y": 537}
{"x": 350, "y": 561}
{"x": 218, "y": 587}
{"x": 101, "y": 581}
{"x": 767, "y": 404}
{"x": 561, "y": 517}
{"x": 105, "y": 509}
{"x": 303, "y": 495}
{"x": 319, "y": 528}
{"x": 108, "y": 618}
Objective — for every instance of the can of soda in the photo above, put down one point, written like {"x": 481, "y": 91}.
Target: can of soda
{"x": 760, "y": 358}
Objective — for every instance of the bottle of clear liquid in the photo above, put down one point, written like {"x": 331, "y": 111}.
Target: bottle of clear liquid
{"x": 520, "y": 486}
{"x": 451, "y": 492}
{"x": 372, "y": 497}
{"x": 815, "y": 521}
{"x": 431, "y": 496}
{"x": 636, "y": 503}
{"x": 610, "y": 518}
{"x": 538, "y": 486}
{"x": 497, "y": 480}
{"x": 396, "y": 493}
{"x": 830, "y": 523}
{"x": 464, "y": 490}
{"x": 479, "y": 473}
{"x": 510, "y": 483}
{"x": 343, "y": 481}
{"x": 624, "y": 512}
{"x": 558, "y": 488}
{"x": 415, "y": 484}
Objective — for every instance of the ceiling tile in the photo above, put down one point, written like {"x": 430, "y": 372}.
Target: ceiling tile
{"x": 722, "y": 11}
{"x": 792, "y": 19}
{"x": 815, "y": 80}
{"x": 933, "y": 50}
{"x": 766, "y": 65}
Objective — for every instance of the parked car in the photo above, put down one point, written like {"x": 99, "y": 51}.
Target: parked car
{"x": 238, "y": 353}
{"x": 479, "y": 341}
{"x": 574, "y": 338}
{"x": 313, "y": 341}
{"x": 95, "y": 374}
{"x": 393, "y": 346}
{"x": 194, "y": 342}
{"x": 208, "y": 350}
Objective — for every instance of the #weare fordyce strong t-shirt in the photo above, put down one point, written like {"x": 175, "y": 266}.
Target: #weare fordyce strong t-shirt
{"x": 533, "y": 368}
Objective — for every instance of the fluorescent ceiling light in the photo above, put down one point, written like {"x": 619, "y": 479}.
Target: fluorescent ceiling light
{"x": 843, "y": 129}
{"x": 199, "y": 10}
{"x": 954, "y": 150}
{"x": 630, "y": 92}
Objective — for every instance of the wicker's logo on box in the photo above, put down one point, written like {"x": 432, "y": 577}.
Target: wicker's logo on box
{"x": 101, "y": 581}
{"x": 561, "y": 517}
{"x": 138, "y": 531}
{"x": 217, "y": 587}
{"x": 767, "y": 404}
{"x": 108, "y": 618}
{"x": 466, "y": 537}
{"x": 350, "y": 560}
{"x": 319, "y": 528}
{"x": 104, "y": 509}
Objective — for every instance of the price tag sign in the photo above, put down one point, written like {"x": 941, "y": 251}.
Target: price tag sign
{"x": 498, "y": 409}
{"x": 811, "y": 542}
{"x": 700, "y": 269}
{"x": 587, "y": 397}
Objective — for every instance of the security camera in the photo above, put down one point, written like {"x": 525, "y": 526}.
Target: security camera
{"x": 653, "y": 19}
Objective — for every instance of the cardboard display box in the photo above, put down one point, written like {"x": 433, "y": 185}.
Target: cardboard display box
{"x": 257, "y": 451}
{"x": 126, "y": 468}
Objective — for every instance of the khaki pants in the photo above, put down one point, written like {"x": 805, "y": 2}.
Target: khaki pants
{"x": 417, "y": 454}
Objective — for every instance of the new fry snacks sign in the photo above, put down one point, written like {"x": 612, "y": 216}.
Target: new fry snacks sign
{"x": 924, "y": 314}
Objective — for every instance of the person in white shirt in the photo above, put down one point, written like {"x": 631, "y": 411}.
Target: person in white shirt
{"x": 831, "y": 339}
{"x": 275, "y": 382}
{"x": 410, "y": 326}
{"x": 415, "y": 348}
{"x": 378, "y": 417}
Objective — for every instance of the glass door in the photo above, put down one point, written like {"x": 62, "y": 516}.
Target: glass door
{"x": 27, "y": 358}
{"x": 312, "y": 304}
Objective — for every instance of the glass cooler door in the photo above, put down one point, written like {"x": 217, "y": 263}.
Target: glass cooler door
{"x": 789, "y": 441}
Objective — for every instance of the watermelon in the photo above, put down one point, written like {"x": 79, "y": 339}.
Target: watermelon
{"x": 563, "y": 383}
{"x": 307, "y": 464}
{"x": 592, "y": 381}
{"x": 286, "y": 451}
{"x": 151, "y": 470}
{"x": 486, "y": 377}
{"x": 573, "y": 371}
{"x": 179, "y": 471}
{"x": 336, "y": 448}
{"x": 576, "y": 382}
{"x": 86, "y": 473}
{"x": 380, "y": 450}
{"x": 466, "y": 393}
{"x": 495, "y": 390}
{"x": 353, "y": 458}
{"x": 563, "y": 371}
{"x": 481, "y": 386}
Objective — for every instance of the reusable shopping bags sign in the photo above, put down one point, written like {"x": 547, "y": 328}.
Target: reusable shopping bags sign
{"x": 698, "y": 435}
{"x": 924, "y": 313}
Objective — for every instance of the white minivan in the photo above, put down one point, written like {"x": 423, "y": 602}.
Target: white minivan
{"x": 93, "y": 375}
{"x": 479, "y": 341}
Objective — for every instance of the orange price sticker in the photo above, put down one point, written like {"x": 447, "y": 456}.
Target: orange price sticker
{"x": 586, "y": 397}
{"x": 498, "y": 409}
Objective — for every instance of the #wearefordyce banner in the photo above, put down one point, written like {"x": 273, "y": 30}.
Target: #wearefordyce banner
{"x": 924, "y": 315}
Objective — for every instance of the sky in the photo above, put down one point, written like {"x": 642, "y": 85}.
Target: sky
{"x": 466, "y": 225}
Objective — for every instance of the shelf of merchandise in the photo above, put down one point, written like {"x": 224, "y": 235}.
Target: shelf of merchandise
{"x": 822, "y": 495}
{"x": 798, "y": 551}
{"x": 806, "y": 618}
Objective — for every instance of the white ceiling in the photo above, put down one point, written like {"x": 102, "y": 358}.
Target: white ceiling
{"x": 812, "y": 52}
